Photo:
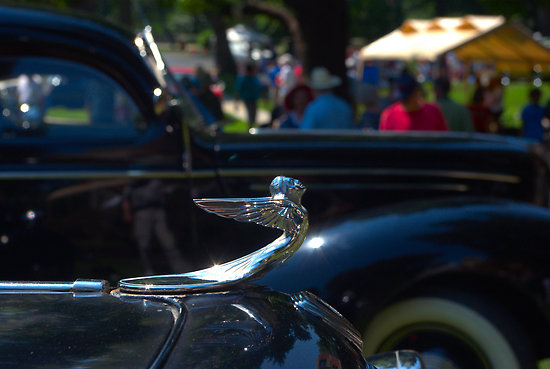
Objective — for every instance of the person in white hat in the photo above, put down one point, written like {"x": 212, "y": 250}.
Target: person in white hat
{"x": 327, "y": 111}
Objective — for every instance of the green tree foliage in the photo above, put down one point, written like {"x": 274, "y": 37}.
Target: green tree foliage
{"x": 372, "y": 19}
{"x": 216, "y": 12}
{"x": 132, "y": 15}
{"x": 200, "y": 6}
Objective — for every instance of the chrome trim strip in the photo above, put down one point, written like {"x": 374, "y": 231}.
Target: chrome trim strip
{"x": 80, "y": 285}
{"x": 452, "y": 187}
{"x": 204, "y": 173}
{"x": 297, "y": 172}
{"x": 68, "y": 174}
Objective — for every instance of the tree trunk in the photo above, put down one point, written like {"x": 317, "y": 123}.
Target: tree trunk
{"x": 539, "y": 14}
{"x": 324, "y": 25}
{"x": 319, "y": 30}
{"x": 288, "y": 19}
{"x": 224, "y": 58}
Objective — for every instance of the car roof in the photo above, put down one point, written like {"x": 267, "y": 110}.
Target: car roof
{"x": 39, "y": 32}
{"x": 27, "y": 20}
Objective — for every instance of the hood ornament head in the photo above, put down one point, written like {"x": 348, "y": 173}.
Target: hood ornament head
{"x": 283, "y": 210}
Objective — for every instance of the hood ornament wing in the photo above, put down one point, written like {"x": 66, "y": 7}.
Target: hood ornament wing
{"x": 283, "y": 210}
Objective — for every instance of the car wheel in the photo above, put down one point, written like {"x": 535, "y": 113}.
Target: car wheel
{"x": 451, "y": 333}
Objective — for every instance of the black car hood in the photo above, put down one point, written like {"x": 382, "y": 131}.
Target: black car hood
{"x": 66, "y": 330}
{"x": 251, "y": 327}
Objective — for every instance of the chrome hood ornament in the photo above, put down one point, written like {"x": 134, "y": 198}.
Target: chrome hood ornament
{"x": 283, "y": 210}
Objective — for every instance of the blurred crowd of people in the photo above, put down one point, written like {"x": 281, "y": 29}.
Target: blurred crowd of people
{"x": 296, "y": 104}
{"x": 309, "y": 102}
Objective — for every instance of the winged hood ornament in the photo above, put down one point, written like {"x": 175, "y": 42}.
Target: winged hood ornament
{"x": 283, "y": 210}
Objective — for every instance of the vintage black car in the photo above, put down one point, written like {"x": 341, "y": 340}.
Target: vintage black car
{"x": 101, "y": 154}
{"x": 211, "y": 318}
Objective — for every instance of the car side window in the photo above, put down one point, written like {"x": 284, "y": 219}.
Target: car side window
{"x": 52, "y": 98}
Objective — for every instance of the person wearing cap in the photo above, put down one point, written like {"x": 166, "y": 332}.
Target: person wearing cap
{"x": 411, "y": 112}
{"x": 295, "y": 104}
{"x": 326, "y": 111}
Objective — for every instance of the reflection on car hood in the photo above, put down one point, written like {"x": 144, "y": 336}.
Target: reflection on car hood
{"x": 251, "y": 327}
{"x": 87, "y": 330}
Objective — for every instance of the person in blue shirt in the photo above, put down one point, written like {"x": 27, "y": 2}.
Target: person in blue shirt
{"x": 532, "y": 115}
{"x": 327, "y": 111}
{"x": 249, "y": 89}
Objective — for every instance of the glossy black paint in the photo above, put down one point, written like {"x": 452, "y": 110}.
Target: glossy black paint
{"x": 493, "y": 248}
{"x": 350, "y": 172}
{"x": 249, "y": 328}
{"x": 86, "y": 330}
{"x": 259, "y": 329}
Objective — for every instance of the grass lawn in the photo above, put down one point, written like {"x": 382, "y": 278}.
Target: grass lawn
{"x": 61, "y": 115}
{"x": 234, "y": 125}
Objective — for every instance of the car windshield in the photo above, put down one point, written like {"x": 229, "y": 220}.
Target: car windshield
{"x": 150, "y": 53}
{"x": 56, "y": 97}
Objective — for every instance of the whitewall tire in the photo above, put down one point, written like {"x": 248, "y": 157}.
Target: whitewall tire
{"x": 487, "y": 329}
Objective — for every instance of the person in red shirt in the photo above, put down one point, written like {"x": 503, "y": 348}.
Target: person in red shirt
{"x": 411, "y": 112}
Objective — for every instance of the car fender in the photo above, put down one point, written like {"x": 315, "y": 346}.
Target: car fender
{"x": 359, "y": 263}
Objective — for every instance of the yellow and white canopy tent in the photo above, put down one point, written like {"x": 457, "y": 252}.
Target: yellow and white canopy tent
{"x": 471, "y": 38}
